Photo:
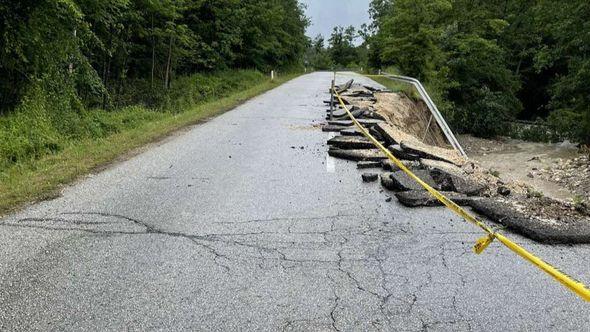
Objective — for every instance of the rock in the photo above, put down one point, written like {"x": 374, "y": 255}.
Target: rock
{"x": 368, "y": 164}
{"x": 403, "y": 182}
{"x": 530, "y": 175}
{"x": 370, "y": 177}
{"x": 331, "y": 128}
{"x": 415, "y": 198}
{"x": 399, "y": 153}
{"x": 460, "y": 184}
{"x": 357, "y": 155}
{"x": 503, "y": 190}
{"x": 350, "y": 142}
{"x": 570, "y": 231}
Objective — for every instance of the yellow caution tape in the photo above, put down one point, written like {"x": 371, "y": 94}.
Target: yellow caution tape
{"x": 575, "y": 286}
{"x": 483, "y": 243}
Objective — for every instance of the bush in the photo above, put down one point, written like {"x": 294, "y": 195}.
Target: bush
{"x": 569, "y": 124}
{"x": 46, "y": 121}
{"x": 485, "y": 116}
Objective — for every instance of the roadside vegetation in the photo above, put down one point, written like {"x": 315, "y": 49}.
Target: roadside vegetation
{"x": 486, "y": 63}
{"x": 82, "y": 82}
{"x": 493, "y": 61}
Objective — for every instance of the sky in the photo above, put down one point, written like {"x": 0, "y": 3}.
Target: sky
{"x": 326, "y": 14}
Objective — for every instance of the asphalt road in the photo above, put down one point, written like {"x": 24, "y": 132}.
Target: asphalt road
{"x": 244, "y": 223}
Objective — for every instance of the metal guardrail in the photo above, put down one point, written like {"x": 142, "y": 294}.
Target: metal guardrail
{"x": 432, "y": 107}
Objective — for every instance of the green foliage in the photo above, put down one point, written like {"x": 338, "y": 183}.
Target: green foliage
{"x": 98, "y": 48}
{"x": 492, "y": 61}
{"x": 341, "y": 52}
{"x": 38, "y": 128}
{"x": 317, "y": 56}
{"x": 569, "y": 123}
{"x": 78, "y": 69}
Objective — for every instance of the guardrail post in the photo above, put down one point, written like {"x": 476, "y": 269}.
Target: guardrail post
{"x": 272, "y": 75}
{"x": 433, "y": 109}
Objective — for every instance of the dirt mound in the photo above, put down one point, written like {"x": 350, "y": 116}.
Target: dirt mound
{"x": 412, "y": 117}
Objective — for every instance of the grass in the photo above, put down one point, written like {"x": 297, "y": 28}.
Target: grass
{"x": 399, "y": 87}
{"x": 39, "y": 178}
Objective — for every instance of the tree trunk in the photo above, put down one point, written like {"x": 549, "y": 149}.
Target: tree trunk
{"x": 169, "y": 63}
{"x": 153, "y": 53}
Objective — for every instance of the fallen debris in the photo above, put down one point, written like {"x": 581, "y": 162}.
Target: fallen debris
{"x": 459, "y": 184}
{"x": 416, "y": 198}
{"x": 400, "y": 153}
{"x": 370, "y": 177}
{"x": 368, "y": 164}
{"x": 389, "y": 165}
{"x": 357, "y": 155}
{"x": 341, "y": 88}
{"x": 403, "y": 182}
{"x": 350, "y": 142}
{"x": 405, "y": 127}
{"x": 336, "y": 129}
{"x": 539, "y": 229}
{"x": 432, "y": 152}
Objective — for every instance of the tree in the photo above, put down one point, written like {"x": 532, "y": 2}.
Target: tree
{"x": 317, "y": 55}
{"x": 92, "y": 51}
{"x": 342, "y": 49}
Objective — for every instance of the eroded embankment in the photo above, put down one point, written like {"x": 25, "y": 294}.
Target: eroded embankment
{"x": 406, "y": 128}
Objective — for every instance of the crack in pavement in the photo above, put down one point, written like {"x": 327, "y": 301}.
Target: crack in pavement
{"x": 252, "y": 221}
{"x": 336, "y": 240}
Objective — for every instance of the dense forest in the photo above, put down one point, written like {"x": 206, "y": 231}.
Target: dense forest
{"x": 70, "y": 69}
{"x": 92, "y": 49}
{"x": 346, "y": 48}
{"x": 489, "y": 62}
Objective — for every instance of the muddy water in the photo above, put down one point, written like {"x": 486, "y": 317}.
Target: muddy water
{"x": 515, "y": 159}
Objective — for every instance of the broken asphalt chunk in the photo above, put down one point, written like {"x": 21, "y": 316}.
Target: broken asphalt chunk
{"x": 350, "y": 142}
{"x": 370, "y": 177}
{"x": 459, "y": 184}
{"x": 368, "y": 164}
{"x": 357, "y": 155}
{"x": 546, "y": 231}
{"x": 331, "y": 128}
{"x": 415, "y": 198}
{"x": 403, "y": 182}
{"x": 400, "y": 153}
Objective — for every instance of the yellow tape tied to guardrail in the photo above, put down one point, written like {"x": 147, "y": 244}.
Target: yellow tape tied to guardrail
{"x": 481, "y": 244}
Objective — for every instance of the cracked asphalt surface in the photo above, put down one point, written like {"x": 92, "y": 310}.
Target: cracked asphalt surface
{"x": 244, "y": 223}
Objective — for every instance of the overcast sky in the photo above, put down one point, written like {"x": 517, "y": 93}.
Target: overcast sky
{"x": 326, "y": 14}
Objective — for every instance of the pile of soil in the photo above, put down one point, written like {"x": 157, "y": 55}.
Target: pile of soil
{"x": 400, "y": 111}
